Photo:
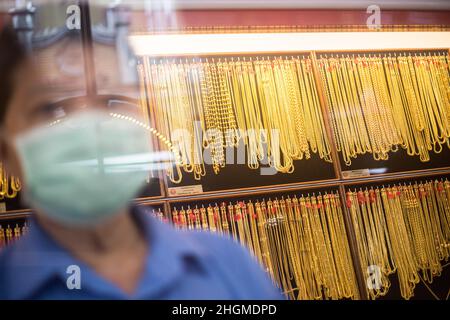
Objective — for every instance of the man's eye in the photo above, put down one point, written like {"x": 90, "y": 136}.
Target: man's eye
{"x": 50, "y": 110}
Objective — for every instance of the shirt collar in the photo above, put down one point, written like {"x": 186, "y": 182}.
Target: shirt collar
{"x": 37, "y": 258}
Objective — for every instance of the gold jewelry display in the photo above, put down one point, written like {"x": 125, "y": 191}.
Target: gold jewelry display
{"x": 301, "y": 242}
{"x": 378, "y": 103}
{"x": 9, "y": 235}
{"x": 402, "y": 228}
{"x": 270, "y": 106}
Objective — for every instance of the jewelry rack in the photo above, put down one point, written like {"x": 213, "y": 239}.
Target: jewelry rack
{"x": 341, "y": 184}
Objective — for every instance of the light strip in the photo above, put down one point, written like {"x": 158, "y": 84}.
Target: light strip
{"x": 224, "y": 43}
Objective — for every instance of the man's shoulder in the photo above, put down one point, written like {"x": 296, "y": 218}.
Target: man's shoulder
{"x": 226, "y": 251}
{"x": 8, "y": 253}
{"x": 238, "y": 264}
{"x": 5, "y": 253}
{"x": 7, "y": 256}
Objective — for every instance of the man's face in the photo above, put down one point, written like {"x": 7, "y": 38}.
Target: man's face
{"x": 35, "y": 102}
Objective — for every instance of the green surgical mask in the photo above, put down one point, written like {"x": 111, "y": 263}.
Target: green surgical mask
{"x": 85, "y": 168}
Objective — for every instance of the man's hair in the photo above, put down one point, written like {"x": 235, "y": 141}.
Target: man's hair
{"x": 12, "y": 55}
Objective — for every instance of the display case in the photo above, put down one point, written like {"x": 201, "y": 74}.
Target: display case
{"x": 323, "y": 149}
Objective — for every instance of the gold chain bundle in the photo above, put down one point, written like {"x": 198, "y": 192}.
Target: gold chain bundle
{"x": 301, "y": 242}
{"x": 8, "y": 235}
{"x": 404, "y": 228}
{"x": 9, "y": 185}
{"x": 378, "y": 103}
{"x": 271, "y": 106}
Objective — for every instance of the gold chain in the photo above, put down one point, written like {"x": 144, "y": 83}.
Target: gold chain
{"x": 257, "y": 102}
{"x": 379, "y": 103}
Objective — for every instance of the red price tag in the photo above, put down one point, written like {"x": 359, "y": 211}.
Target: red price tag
{"x": 361, "y": 198}
{"x": 349, "y": 203}
{"x": 372, "y": 196}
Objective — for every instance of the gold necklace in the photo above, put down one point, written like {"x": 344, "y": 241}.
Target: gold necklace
{"x": 263, "y": 240}
{"x": 403, "y": 102}
{"x": 211, "y": 222}
{"x": 2, "y": 238}
{"x": 252, "y": 218}
{"x": 401, "y": 247}
{"x": 9, "y": 185}
{"x": 315, "y": 129}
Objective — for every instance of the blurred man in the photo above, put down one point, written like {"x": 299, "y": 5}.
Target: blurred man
{"x": 78, "y": 167}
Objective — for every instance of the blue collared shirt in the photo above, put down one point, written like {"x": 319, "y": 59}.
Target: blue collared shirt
{"x": 180, "y": 265}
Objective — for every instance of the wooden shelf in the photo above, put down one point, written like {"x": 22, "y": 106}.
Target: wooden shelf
{"x": 338, "y": 183}
{"x": 397, "y": 176}
{"x": 16, "y": 214}
{"x": 310, "y": 185}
